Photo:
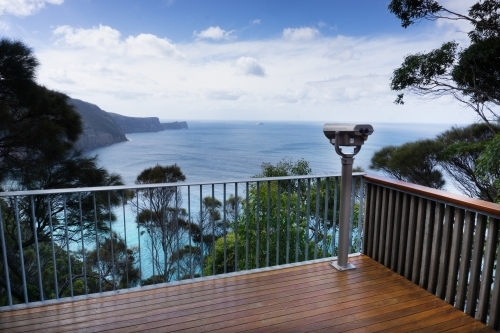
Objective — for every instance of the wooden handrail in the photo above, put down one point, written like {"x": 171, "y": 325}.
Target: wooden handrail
{"x": 458, "y": 199}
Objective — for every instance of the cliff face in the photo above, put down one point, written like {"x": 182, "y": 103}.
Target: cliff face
{"x": 137, "y": 124}
{"x": 99, "y": 128}
{"x": 175, "y": 125}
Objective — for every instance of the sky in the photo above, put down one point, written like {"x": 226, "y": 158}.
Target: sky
{"x": 274, "y": 60}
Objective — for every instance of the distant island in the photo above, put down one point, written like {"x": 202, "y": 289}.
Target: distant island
{"x": 101, "y": 128}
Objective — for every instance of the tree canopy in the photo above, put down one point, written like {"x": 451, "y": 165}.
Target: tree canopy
{"x": 38, "y": 131}
{"x": 457, "y": 152}
{"x": 470, "y": 74}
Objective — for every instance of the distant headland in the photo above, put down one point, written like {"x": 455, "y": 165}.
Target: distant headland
{"x": 101, "y": 128}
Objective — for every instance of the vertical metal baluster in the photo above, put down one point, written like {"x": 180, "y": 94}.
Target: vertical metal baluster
{"x": 288, "y": 223}
{"x": 111, "y": 241}
{"x": 201, "y": 231}
{"x": 235, "y": 227}
{"x": 213, "y": 229}
{"x": 176, "y": 218}
{"x": 318, "y": 185}
{"x": 35, "y": 236}
{"x": 164, "y": 227}
{"x": 308, "y": 215}
{"x": 224, "y": 228}
{"x": 268, "y": 220}
{"x": 67, "y": 246}
{"x": 360, "y": 214}
{"x": 297, "y": 223}
{"x": 139, "y": 237}
{"x": 151, "y": 221}
{"x": 189, "y": 232}
{"x": 125, "y": 237}
{"x": 49, "y": 212}
{"x": 257, "y": 232}
{"x": 99, "y": 273}
{"x": 278, "y": 222}
{"x": 351, "y": 214}
{"x": 246, "y": 226}
{"x": 325, "y": 216}
{"x": 83, "y": 243}
{"x": 4, "y": 257}
{"x": 21, "y": 252}
{"x": 334, "y": 220}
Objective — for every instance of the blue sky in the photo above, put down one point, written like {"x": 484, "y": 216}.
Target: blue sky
{"x": 232, "y": 60}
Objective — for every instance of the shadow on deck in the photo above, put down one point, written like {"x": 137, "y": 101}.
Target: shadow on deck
{"x": 297, "y": 298}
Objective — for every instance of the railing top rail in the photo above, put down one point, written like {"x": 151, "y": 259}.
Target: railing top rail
{"x": 146, "y": 186}
{"x": 457, "y": 199}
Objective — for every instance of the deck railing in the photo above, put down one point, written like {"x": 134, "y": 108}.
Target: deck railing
{"x": 445, "y": 243}
{"x": 63, "y": 243}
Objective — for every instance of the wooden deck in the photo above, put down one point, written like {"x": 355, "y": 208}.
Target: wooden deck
{"x": 303, "y": 298}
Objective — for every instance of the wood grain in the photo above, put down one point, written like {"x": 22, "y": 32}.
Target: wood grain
{"x": 302, "y": 298}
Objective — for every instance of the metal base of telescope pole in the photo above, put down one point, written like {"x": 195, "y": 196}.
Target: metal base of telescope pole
{"x": 341, "y": 264}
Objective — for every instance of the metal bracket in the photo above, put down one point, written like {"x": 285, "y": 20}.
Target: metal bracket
{"x": 342, "y": 268}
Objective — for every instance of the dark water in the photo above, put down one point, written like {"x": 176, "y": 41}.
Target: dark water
{"x": 210, "y": 151}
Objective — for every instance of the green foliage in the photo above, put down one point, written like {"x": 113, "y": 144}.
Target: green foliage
{"x": 470, "y": 75}
{"x": 114, "y": 263}
{"x": 38, "y": 130}
{"x": 467, "y": 155}
{"x": 413, "y": 162}
{"x": 413, "y": 11}
{"x": 488, "y": 166}
{"x": 285, "y": 167}
{"x": 159, "y": 213}
{"x": 280, "y": 222}
{"x": 462, "y": 150}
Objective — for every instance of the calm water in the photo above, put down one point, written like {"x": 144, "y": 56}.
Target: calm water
{"x": 216, "y": 151}
{"x": 210, "y": 151}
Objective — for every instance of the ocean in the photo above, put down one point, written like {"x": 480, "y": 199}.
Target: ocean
{"x": 218, "y": 150}
{"x": 222, "y": 151}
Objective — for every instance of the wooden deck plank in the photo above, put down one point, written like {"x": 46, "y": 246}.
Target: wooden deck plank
{"x": 256, "y": 288}
{"x": 300, "y": 298}
{"x": 180, "y": 290}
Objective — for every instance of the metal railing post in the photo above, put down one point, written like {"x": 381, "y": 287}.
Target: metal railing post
{"x": 345, "y": 200}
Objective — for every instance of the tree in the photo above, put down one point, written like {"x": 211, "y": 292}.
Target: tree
{"x": 38, "y": 125}
{"x": 457, "y": 151}
{"x": 471, "y": 75}
{"x": 462, "y": 150}
{"x": 38, "y": 130}
{"x": 160, "y": 214}
{"x": 414, "y": 162}
{"x": 115, "y": 269}
{"x": 280, "y": 222}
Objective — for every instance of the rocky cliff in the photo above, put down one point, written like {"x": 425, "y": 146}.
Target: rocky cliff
{"x": 175, "y": 125}
{"x": 145, "y": 124}
{"x": 137, "y": 124}
{"x": 99, "y": 128}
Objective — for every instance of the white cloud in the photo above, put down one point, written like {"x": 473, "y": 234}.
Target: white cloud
{"x": 107, "y": 39}
{"x": 99, "y": 37}
{"x": 223, "y": 95}
{"x": 256, "y": 21}
{"x": 214, "y": 33}
{"x": 337, "y": 78}
{"x": 24, "y": 8}
{"x": 250, "y": 66}
{"x": 300, "y": 34}
{"x": 150, "y": 45}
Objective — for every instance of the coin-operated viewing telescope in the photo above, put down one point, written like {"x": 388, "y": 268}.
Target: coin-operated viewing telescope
{"x": 346, "y": 135}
